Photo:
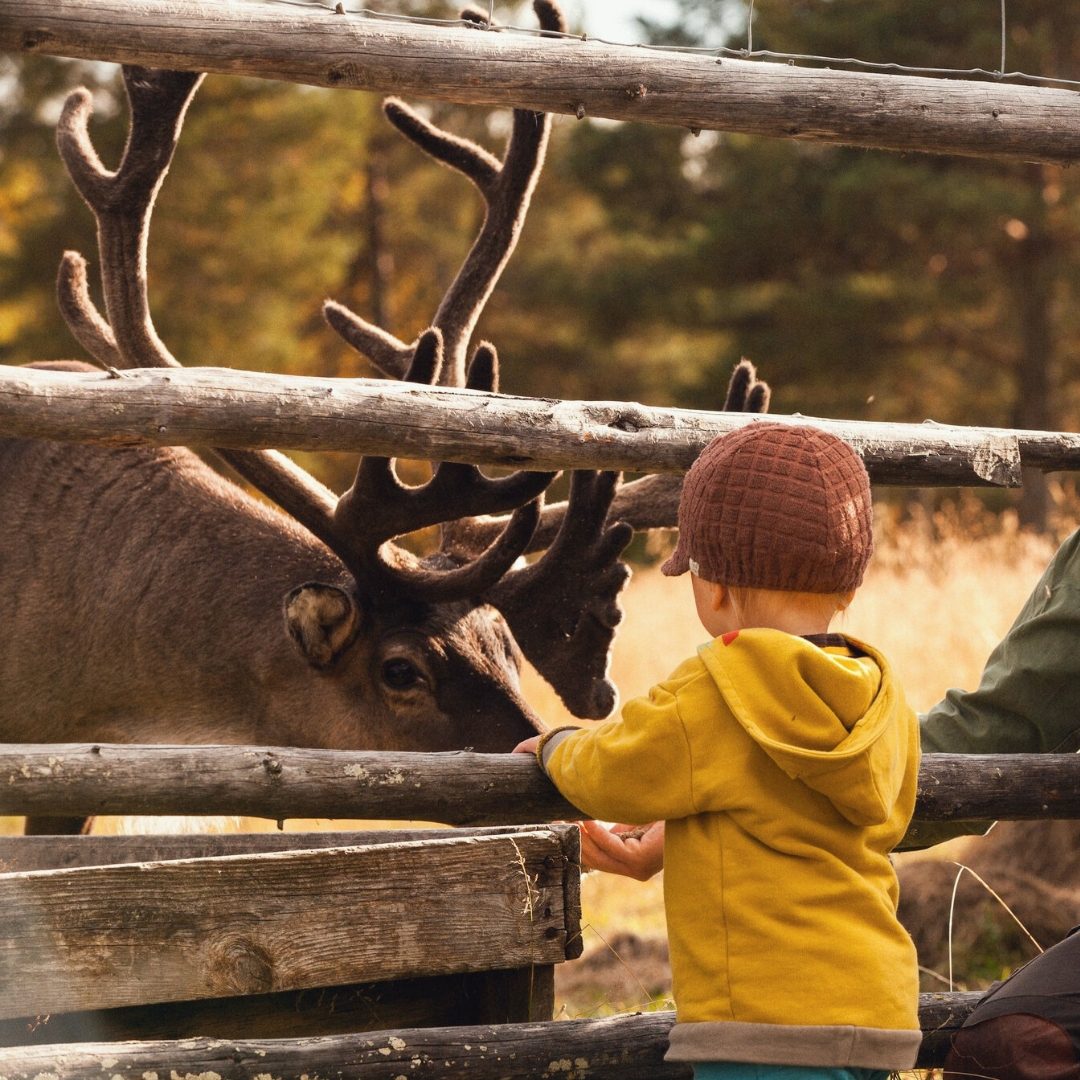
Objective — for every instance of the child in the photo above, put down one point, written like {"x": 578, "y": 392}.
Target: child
{"x": 784, "y": 761}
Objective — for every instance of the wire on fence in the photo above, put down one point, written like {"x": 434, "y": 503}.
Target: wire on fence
{"x": 749, "y": 53}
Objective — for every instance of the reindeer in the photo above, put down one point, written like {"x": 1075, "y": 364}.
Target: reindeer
{"x": 148, "y": 599}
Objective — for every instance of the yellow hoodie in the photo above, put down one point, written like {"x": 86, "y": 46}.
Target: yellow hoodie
{"x": 786, "y": 774}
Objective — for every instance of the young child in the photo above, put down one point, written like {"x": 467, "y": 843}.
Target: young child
{"x": 784, "y": 761}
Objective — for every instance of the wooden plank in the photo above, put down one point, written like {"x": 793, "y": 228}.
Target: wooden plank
{"x": 458, "y": 788}
{"x": 139, "y": 933}
{"x": 435, "y": 1001}
{"x": 22, "y": 853}
{"x": 220, "y": 407}
{"x": 616, "y": 1048}
{"x": 570, "y": 76}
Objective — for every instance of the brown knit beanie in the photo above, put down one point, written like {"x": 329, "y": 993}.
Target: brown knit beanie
{"x": 773, "y": 506}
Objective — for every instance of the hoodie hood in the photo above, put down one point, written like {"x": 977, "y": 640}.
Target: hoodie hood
{"x": 830, "y": 726}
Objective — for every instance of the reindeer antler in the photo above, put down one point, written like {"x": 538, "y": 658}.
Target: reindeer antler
{"x": 562, "y": 610}
{"x": 454, "y": 490}
{"x": 122, "y": 202}
{"x": 354, "y": 529}
{"x": 652, "y": 502}
{"x": 506, "y": 187}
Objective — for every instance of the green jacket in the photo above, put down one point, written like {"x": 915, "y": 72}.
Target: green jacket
{"x": 1029, "y": 699}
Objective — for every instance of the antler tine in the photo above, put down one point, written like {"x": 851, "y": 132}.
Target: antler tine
{"x": 757, "y": 401}
{"x": 122, "y": 202}
{"x": 739, "y": 386}
{"x": 475, "y": 577}
{"x": 506, "y": 188}
{"x": 378, "y": 507}
{"x": 84, "y": 320}
{"x": 385, "y": 352}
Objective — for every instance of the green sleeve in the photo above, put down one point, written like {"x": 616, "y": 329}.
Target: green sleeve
{"x": 1028, "y": 701}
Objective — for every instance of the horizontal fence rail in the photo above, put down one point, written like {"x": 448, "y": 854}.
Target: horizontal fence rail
{"x": 129, "y": 935}
{"x": 455, "y": 789}
{"x": 322, "y": 48}
{"x": 228, "y": 408}
{"x": 615, "y": 1048}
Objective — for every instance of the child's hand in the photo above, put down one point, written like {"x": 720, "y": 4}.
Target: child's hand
{"x": 528, "y": 746}
{"x": 623, "y": 850}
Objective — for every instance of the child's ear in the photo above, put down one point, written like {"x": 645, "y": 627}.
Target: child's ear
{"x": 716, "y": 599}
{"x": 843, "y": 600}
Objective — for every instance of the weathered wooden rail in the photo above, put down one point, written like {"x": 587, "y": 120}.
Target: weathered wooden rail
{"x": 282, "y": 934}
{"x": 227, "y": 408}
{"x": 321, "y": 48}
{"x": 455, "y": 789}
{"x": 615, "y": 1048}
{"x": 323, "y": 937}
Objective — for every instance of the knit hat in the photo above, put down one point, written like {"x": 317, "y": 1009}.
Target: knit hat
{"x": 773, "y": 506}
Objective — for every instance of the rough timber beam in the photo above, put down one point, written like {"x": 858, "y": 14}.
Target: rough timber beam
{"x": 320, "y": 47}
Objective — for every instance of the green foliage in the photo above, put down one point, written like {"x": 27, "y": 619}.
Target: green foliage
{"x": 40, "y": 213}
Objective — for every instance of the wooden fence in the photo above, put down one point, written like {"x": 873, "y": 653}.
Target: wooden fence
{"x": 282, "y": 955}
{"x": 228, "y": 408}
{"x": 272, "y": 954}
{"x": 425, "y": 952}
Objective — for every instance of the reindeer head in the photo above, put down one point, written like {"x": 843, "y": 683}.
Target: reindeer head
{"x": 431, "y": 640}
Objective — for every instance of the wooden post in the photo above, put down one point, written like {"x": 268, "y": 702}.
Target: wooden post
{"x": 323, "y": 48}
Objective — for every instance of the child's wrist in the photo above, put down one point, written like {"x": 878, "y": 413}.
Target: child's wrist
{"x": 549, "y": 741}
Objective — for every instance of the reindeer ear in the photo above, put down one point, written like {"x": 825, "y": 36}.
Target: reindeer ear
{"x": 323, "y": 620}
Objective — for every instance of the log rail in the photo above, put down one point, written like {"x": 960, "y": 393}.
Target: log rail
{"x": 615, "y": 1048}
{"x": 455, "y": 788}
{"x": 229, "y": 408}
{"x": 319, "y": 47}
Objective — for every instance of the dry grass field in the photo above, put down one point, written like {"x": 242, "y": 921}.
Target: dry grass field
{"x": 939, "y": 594}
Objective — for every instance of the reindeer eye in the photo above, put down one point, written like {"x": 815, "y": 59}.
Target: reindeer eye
{"x": 399, "y": 674}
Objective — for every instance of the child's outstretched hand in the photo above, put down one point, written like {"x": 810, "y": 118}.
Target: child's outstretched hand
{"x": 634, "y": 853}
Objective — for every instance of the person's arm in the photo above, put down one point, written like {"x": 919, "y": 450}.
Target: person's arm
{"x": 636, "y": 768}
{"x": 1028, "y": 701}
{"x": 632, "y": 851}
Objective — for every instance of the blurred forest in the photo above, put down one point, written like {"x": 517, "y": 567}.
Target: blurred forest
{"x": 865, "y": 285}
